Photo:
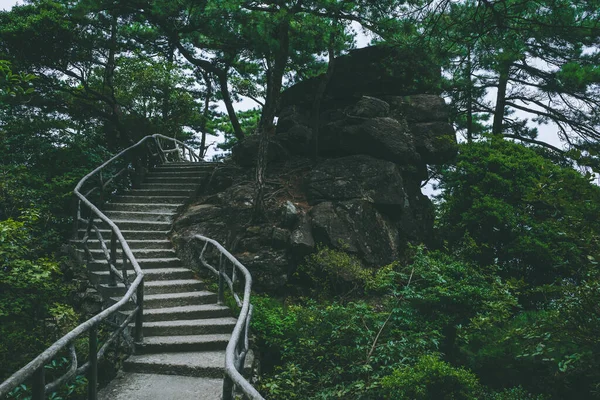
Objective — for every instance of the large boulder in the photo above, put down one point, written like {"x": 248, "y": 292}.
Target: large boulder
{"x": 356, "y": 227}
{"x": 357, "y": 177}
{"x": 371, "y": 71}
{"x": 382, "y": 137}
{"x": 435, "y": 141}
{"x": 418, "y": 108}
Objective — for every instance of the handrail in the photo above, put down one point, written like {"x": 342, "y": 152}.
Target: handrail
{"x": 237, "y": 349}
{"x": 135, "y": 289}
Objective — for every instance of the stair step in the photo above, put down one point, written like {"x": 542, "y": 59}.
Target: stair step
{"x": 146, "y": 264}
{"x": 132, "y": 386}
{"x": 189, "y": 326}
{"x": 135, "y": 244}
{"x": 176, "y": 299}
{"x": 161, "y": 192}
{"x": 149, "y": 207}
{"x": 174, "y": 179}
{"x": 188, "y": 167}
{"x": 188, "y": 343}
{"x": 136, "y": 225}
{"x": 128, "y": 234}
{"x": 170, "y": 186}
{"x": 195, "y": 311}
{"x": 157, "y": 274}
{"x": 179, "y": 200}
{"x": 140, "y": 215}
{"x": 180, "y": 173}
{"x": 158, "y": 287}
{"x": 138, "y": 253}
{"x": 209, "y": 364}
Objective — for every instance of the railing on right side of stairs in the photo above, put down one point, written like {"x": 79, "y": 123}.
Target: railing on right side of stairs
{"x": 120, "y": 172}
{"x": 238, "y": 346}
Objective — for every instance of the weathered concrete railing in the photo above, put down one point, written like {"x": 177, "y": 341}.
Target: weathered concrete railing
{"x": 238, "y": 345}
{"x": 129, "y": 166}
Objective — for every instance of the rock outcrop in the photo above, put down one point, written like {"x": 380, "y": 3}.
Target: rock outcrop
{"x": 380, "y": 124}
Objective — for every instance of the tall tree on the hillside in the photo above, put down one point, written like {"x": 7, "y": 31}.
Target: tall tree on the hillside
{"x": 540, "y": 57}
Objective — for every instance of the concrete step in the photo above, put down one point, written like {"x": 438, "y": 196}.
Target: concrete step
{"x": 157, "y": 287}
{"x": 128, "y": 234}
{"x": 151, "y": 207}
{"x": 136, "y": 244}
{"x": 161, "y": 192}
{"x": 170, "y": 186}
{"x": 178, "y": 200}
{"x": 138, "y": 253}
{"x": 132, "y": 225}
{"x": 188, "y": 167}
{"x": 174, "y": 179}
{"x": 162, "y": 344}
{"x": 194, "y": 311}
{"x": 189, "y": 326}
{"x": 130, "y": 215}
{"x": 157, "y": 274}
{"x": 179, "y": 173}
{"x": 176, "y": 300}
{"x": 132, "y": 386}
{"x": 208, "y": 364}
{"x": 145, "y": 263}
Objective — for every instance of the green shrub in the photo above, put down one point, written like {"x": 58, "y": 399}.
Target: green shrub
{"x": 431, "y": 378}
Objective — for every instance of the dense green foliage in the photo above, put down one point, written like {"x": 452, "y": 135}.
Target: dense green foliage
{"x": 506, "y": 306}
{"x": 506, "y": 309}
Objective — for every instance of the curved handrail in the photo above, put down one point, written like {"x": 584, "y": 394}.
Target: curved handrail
{"x": 237, "y": 349}
{"x": 134, "y": 290}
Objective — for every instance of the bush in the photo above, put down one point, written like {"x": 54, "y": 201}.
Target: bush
{"x": 431, "y": 378}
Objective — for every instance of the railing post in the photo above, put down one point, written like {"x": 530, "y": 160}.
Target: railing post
{"x": 112, "y": 278}
{"x": 93, "y": 370}
{"x": 39, "y": 384}
{"x": 124, "y": 267}
{"x": 221, "y": 296}
{"x": 76, "y": 207}
{"x": 227, "y": 388}
{"x": 139, "y": 317}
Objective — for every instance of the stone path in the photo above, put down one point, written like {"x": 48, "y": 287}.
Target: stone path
{"x": 182, "y": 355}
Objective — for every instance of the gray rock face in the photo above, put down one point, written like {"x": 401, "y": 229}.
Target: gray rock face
{"x": 369, "y": 107}
{"x": 356, "y": 227}
{"x": 381, "y": 123}
{"x": 418, "y": 108}
{"x": 356, "y": 178}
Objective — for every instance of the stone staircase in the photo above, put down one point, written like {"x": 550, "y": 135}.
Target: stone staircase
{"x": 186, "y": 332}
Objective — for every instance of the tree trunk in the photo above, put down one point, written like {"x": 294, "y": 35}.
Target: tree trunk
{"x": 469, "y": 97}
{"x": 166, "y": 105}
{"x": 501, "y": 99}
{"x": 114, "y": 131}
{"x": 206, "y": 113}
{"x": 266, "y": 127}
{"x": 223, "y": 84}
{"x": 316, "y": 110}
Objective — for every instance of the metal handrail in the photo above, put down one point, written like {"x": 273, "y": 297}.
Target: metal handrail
{"x": 135, "y": 289}
{"x": 238, "y": 347}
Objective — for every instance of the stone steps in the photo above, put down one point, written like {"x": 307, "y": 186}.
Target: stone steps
{"x": 135, "y": 244}
{"x": 175, "y": 299}
{"x": 146, "y": 264}
{"x": 167, "y": 344}
{"x": 98, "y": 253}
{"x": 158, "y": 287}
{"x": 185, "y": 331}
{"x": 140, "y": 215}
{"x": 205, "y": 364}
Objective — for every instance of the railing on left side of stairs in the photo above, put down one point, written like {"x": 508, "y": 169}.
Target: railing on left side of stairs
{"x": 238, "y": 345}
{"x": 119, "y": 173}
